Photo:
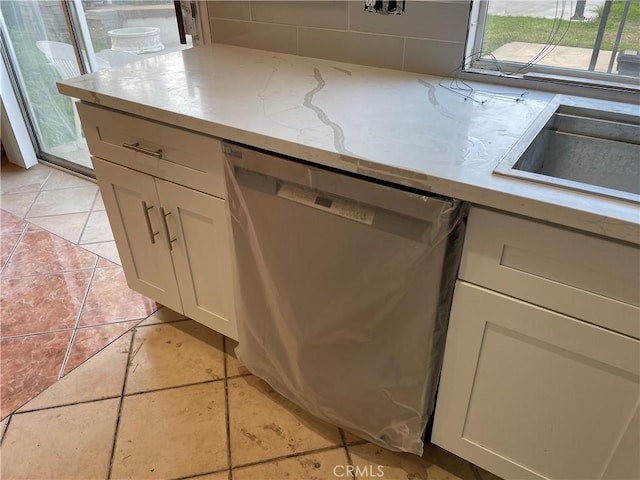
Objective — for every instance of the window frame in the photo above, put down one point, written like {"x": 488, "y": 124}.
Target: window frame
{"x": 539, "y": 73}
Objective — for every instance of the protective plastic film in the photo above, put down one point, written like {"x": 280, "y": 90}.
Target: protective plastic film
{"x": 342, "y": 292}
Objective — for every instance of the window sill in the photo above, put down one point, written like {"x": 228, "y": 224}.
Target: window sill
{"x": 562, "y": 84}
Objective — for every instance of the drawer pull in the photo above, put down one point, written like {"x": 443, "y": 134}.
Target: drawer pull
{"x": 147, "y": 151}
{"x": 145, "y": 209}
{"x": 166, "y": 228}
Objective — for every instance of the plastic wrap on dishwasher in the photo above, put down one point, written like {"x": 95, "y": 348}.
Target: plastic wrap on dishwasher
{"x": 348, "y": 324}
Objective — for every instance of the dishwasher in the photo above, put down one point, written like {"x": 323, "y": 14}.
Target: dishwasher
{"x": 343, "y": 287}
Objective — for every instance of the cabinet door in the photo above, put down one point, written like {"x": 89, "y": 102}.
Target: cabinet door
{"x": 197, "y": 226}
{"x": 132, "y": 205}
{"x": 529, "y": 393}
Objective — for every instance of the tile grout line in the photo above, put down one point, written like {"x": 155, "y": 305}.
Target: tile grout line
{"x": 59, "y": 272}
{"x": 24, "y": 217}
{"x": 346, "y": 449}
{"x": 124, "y": 383}
{"x": 86, "y": 327}
{"x": 164, "y": 322}
{"x": 84, "y": 227}
{"x": 6, "y": 427}
{"x": 76, "y": 325}
{"x": 173, "y": 387}
{"x": 291, "y": 455}
{"x": 71, "y": 404}
{"x": 226, "y": 407}
{"x": 15, "y": 247}
{"x": 36, "y": 334}
{"x": 82, "y": 230}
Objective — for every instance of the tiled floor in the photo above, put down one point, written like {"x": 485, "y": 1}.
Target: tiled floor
{"x": 66, "y": 205}
{"x": 166, "y": 399}
{"x": 169, "y": 400}
{"x": 60, "y": 303}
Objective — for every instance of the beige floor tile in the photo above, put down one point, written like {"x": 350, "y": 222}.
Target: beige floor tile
{"x": 72, "y": 442}
{"x": 169, "y": 355}
{"x": 106, "y": 250}
{"x": 17, "y": 203}
{"x": 98, "y": 229}
{"x": 234, "y": 367}
{"x": 315, "y": 466}
{"x": 67, "y": 226}
{"x": 69, "y": 200}
{"x": 59, "y": 179}
{"x": 400, "y": 466}
{"x": 172, "y": 433}
{"x": 264, "y": 425}
{"x": 163, "y": 315}
{"x": 101, "y": 376}
{"x": 17, "y": 179}
{"x": 98, "y": 204}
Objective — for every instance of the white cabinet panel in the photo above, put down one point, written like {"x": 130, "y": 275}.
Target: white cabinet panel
{"x": 133, "y": 209}
{"x": 530, "y": 393}
{"x": 161, "y": 150}
{"x": 201, "y": 255}
{"x": 581, "y": 275}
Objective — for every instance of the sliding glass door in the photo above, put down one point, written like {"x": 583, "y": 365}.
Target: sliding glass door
{"x": 45, "y": 41}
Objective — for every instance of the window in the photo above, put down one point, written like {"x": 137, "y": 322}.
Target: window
{"x": 587, "y": 42}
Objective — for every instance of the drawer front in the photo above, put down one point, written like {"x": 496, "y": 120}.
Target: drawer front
{"x": 161, "y": 150}
{"x": 577, "y": 274}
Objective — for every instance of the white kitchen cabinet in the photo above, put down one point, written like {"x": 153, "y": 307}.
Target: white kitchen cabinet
{"x": 584, "y": 276}
{"x": 527, "y": 391}
{"x": 132, "y": 205}
{"x": 197, "y": 227}
{"x": 164, "y": 194}
{"x": 173, "y": 243}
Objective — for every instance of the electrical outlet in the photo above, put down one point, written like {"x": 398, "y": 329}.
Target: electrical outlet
{"x": 386, "y": 7}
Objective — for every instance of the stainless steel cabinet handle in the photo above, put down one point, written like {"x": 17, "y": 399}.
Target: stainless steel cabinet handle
{"x": 137, "y": 148}
{"x": 145, "y": 209}
{"x": 166, "y": 228}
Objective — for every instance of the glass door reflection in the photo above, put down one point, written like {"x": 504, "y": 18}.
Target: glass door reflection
{"x": 45, "y": 41}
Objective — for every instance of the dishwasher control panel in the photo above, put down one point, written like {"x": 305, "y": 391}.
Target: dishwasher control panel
{"x": 327, "y": 203}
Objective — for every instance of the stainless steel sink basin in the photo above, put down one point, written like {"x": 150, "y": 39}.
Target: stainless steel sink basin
{"x": 583, "y": 149}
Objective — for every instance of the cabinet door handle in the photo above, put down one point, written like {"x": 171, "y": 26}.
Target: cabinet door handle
{"x": 166, "y": 228}
{"x": 145, "y": 209}
{"x": 147, "y": 151}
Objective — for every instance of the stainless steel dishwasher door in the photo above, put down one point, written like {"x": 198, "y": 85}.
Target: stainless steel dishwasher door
{"x": 341, "y": 292}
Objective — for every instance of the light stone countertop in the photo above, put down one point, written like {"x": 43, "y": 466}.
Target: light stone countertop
{"x": 390, "y": 125}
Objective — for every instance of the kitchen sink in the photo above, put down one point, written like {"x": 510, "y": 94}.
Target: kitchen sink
{"x": 583, "y": 149}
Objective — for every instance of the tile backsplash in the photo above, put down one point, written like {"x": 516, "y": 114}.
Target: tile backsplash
{"x": 429, "y": 38}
